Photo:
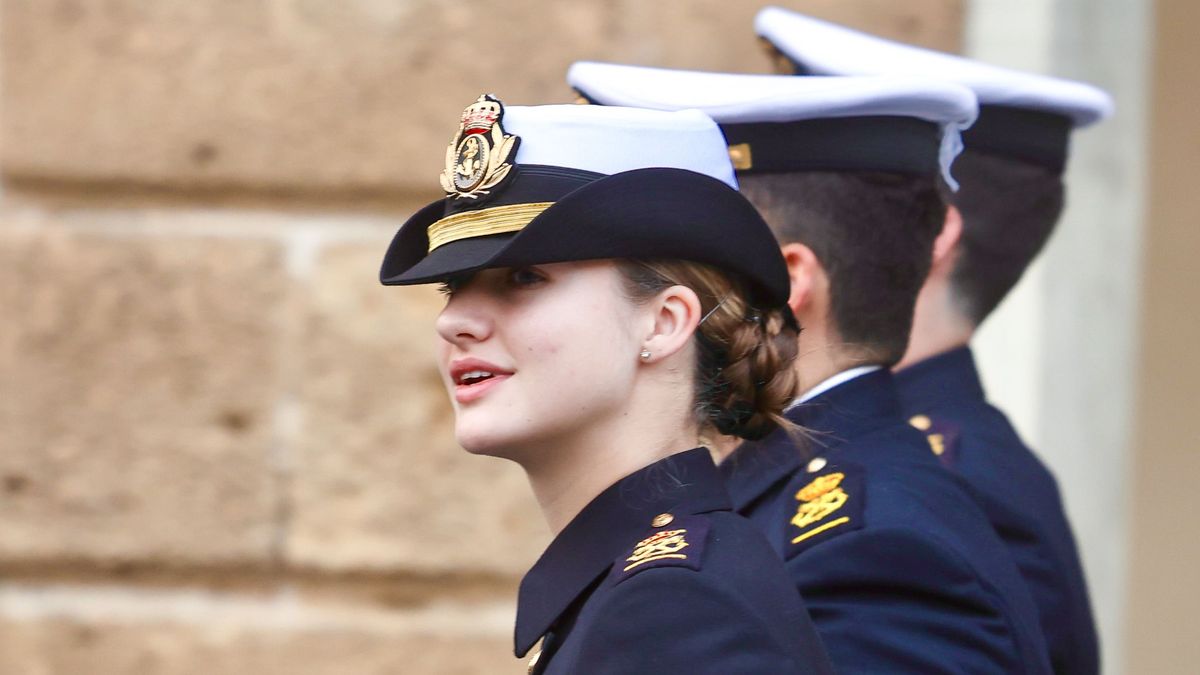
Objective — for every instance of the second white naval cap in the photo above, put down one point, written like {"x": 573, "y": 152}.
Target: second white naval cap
{"x": 776, "y": 123}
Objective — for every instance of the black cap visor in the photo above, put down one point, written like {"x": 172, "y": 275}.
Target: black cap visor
{"x": 646, "y": 214}
{"x": 409, "y": 260}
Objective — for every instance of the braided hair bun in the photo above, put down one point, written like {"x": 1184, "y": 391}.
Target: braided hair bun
{"x": 744, "y": 374}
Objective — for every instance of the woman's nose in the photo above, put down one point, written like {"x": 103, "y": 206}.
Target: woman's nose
{"x": 464, "y": 319}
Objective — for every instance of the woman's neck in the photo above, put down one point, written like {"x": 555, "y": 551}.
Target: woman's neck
{"x": 569, "y": 475}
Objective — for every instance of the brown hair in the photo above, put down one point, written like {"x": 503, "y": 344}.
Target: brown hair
{"x": 744, "y": 375}
{"x": 873, "y": 233}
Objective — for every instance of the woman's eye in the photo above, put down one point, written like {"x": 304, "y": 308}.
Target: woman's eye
{"x": 453, "y": 284}
{"x": 525, "y": 276}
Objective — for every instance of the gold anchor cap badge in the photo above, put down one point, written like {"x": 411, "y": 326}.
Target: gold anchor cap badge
{"x": 477, "y": 158}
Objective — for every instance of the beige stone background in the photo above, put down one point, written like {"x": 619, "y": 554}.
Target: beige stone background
{"x": 224, "y": 447}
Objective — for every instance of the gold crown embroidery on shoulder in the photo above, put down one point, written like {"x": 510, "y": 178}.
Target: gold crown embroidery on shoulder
{"x": 819, "y": 499}
{"x": 820, "y": 486}
{"x": 660, "y": 545}
{"x": 827, "y": 505}
{"x": 478, "y": 157}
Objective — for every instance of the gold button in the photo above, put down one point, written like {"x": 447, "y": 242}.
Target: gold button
{"x": 816, "y": 464}
{"x": 662, "y": 519}
{"x": 921, "y": 422}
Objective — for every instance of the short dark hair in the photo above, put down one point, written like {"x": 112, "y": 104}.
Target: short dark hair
{"x": 873, "y": 233}
{"x": 1009, "y": 209}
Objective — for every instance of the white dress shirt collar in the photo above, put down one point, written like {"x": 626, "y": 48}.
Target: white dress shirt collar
{"x": 833, "y": 381}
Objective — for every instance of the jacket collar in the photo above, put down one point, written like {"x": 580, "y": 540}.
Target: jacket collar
{"x": 756, "y": 466}
{"x": 850, "y": 409}
{"x": 684, "y": 484}
{"x": 831, "y": 382}
{"x": 946, "y": 379}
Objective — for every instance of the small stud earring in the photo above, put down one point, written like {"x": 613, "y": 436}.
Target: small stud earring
{"x": 645, "y": 355}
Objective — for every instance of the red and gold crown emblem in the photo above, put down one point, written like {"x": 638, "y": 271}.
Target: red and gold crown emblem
{"x": 481, "y": 115}
{"x": 478, "y": 157}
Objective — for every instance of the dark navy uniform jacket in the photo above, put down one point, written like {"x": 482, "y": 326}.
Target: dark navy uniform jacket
{"x": 899, "y": 568}
{"x": 944, "y": 397}
{"x": 657, "y": 576}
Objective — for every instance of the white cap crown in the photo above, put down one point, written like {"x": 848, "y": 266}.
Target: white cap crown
{"x": 823, "y": 48}
{"x": 610, "y": 140}
{"x": 738, "y": 98}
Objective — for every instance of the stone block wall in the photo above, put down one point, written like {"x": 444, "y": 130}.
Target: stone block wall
{"x": 223, "y": 447}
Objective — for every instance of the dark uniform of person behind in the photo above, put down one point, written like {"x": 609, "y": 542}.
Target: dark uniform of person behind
{"x": 1010, "y": 198}
{"x": 895, "y": 561}
{"x": 944, "y": 397}
{"x": 656, "y": 574}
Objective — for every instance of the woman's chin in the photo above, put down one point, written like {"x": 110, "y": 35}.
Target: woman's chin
{"x": 486, "y": 445}
{"x": 506, "y": 439}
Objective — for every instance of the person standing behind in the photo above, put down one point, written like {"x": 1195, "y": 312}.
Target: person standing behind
{"x": 896, "y": 563}
{"x": 1010, "y": 199}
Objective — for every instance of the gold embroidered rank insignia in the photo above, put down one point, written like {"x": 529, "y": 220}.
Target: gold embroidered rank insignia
{"x": 658, "y": 546}
{"x": 937, "y": 443}
{"x": 478, "y": 157}
{"x": 819, "y": 499}
{"x": 942, "y": 436}
{"x": 828, "y": 504}
{"x": 679, "y": 545}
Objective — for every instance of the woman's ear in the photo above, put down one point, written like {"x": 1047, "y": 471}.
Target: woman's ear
{"x": 675, "y": 314}
{"x": 804, "y": 270}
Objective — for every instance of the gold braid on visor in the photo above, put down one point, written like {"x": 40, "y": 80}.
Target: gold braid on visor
{"x": 496, "y": 220}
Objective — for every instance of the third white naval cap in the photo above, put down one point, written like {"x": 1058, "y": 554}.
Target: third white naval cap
{"x": 1025, "y": 115}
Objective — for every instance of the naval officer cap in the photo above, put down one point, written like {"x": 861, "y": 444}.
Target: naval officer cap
{"x": 780, "y": 123}
{"x": 558, "y": 183}
{"x": 1021, "y": 115}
